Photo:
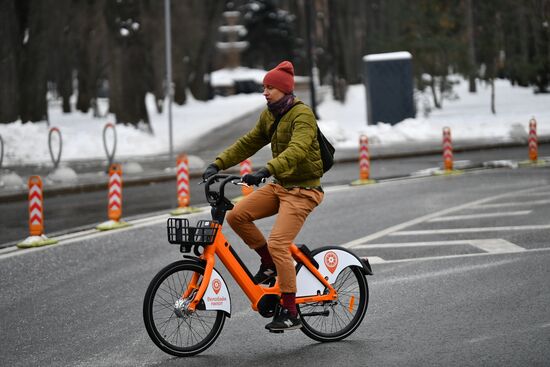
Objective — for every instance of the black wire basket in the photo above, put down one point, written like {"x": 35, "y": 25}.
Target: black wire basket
{"x": 180, "y": 233}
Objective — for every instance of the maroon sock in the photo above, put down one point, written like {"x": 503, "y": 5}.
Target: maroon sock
{"x": 265, "y": 256}
{"x": 289, "y": 302}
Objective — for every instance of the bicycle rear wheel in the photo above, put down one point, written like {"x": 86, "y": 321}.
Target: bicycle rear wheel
{"x": 336, "y": 320}
{"x": 178, "y": 333}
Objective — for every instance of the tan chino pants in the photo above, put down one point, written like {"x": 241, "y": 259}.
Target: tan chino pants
{"x": 293, "y": 206}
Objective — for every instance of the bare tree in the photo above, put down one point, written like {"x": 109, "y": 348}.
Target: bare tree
{"x": 9, "y": 48}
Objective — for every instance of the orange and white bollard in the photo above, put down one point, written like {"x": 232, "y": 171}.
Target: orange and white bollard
{"x": 114, "y": 208}
{"x": 364, "y": 158}
{"x": 447, "y": 150}
{"x": 182, "y": 175}
{"x": 533, "y": 141}
{"x": 246, "y": 168}
{"x": 364, "y": 162}
{"x": 36, "y": 216}
{"x": 182, "y": 179}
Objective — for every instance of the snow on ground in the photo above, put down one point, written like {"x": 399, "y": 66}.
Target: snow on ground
{"x": 468, "y": 116}
{"x": 82, "y": 134}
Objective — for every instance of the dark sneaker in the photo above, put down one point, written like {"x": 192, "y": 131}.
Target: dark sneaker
{"x": 266, "y": 275}
{"x": 284, "y": 321}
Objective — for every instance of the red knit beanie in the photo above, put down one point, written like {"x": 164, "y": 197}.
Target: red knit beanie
{"x": 281, "y": 77}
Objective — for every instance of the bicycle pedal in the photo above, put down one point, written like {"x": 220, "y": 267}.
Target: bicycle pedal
{"x": 276, "y": 331}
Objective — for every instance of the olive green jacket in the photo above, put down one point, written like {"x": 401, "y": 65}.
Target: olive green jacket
{"x": 296, "y": 157}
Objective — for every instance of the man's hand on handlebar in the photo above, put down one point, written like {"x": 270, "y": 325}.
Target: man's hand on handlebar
{"x": 210, "y": 170}
{"x": 256, "y": 178}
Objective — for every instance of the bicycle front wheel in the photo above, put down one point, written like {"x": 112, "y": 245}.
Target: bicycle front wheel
{"x": 177, "y": 332}
{"x": 336, "y": 320}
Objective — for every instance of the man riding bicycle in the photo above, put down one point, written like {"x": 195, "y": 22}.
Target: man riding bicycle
{"x": 291, "y": 128}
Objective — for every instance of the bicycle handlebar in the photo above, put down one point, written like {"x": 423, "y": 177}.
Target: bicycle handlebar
{"x": 216, "y": 197}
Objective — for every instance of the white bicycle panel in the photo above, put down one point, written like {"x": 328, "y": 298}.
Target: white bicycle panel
{"x": 331, "y": 263}
{"x": 216, "y": 296}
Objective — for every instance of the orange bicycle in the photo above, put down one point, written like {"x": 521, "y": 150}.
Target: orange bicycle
{"x": 186, "y": 303}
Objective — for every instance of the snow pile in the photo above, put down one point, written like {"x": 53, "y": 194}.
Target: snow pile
{"x": 11, "y": 180}
{"x": 63, "y": 174}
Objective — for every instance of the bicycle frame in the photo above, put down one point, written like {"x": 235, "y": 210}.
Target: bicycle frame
{"x": 242, "y": 276}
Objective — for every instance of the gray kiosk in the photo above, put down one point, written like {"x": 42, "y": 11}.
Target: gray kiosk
{"x": 388, "y": 79}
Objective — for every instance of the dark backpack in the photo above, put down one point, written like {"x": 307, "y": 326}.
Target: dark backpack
{"x": 327, "y": 150}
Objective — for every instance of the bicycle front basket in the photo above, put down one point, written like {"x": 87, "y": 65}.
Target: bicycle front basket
{"x": 180, "y": 233}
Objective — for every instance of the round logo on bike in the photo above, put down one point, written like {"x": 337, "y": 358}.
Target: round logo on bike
{"x": 216, "y": 285}
{"x": 331, "y": 261}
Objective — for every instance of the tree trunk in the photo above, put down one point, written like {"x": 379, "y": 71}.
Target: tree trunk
{"x": 471, "y": 47}
{"x": 434, "y": 92}
{"x": 493, "y": 110}
{"x": 9, "y": 48}
{"x": 212, "y": 20}
{"x": 33, "y": 104}
{"x": 127, "y": 86}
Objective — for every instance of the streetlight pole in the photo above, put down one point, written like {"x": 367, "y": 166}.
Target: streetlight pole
{"x": 168, "y": 40}
{"x": 311, "y": 61}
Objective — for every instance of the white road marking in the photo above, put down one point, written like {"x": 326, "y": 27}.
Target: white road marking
{"x": 439, "y": 273}
{"x": 336, "y": 188}
{"x": 480, "y": 215}
{"x": 375, "y": 260}
{"x": 469, "y": 230}
{"x": 534, "y": 194}
{"x": 369, "y": 246}
{"x": 514, "y": 203}
{"x": 496, "y": 245}
{"x": 440, "y": 213}
{"x": 493, "y": 245}
{"x": 447, "y": 257}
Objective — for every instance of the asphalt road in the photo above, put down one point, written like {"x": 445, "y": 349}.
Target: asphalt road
{"x": 468, "y": 290}
{"x": 66, "y": 212}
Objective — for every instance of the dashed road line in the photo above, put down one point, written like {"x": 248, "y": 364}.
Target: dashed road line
{"x": 535, "y": 194}
{"x": 370, "y": 246}
{"x": 487, "y": 244}
{"x": 513, "y": 203}
{"x": 469, "y": 230}
{"x": 479, "y": 215}
{"x": 379, "y": 260}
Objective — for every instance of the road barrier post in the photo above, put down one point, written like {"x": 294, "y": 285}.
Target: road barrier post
{"x": 364, "y": 162}
{"x": 114, "y": 208}
{"x": 36, "y": 216}
{"x": 448, "y": 165}
{"x": 182, "y": 179}
{"x": 533, "y": 141}
{"x": 246, "y": 168}
{"x": 447, "y": 150}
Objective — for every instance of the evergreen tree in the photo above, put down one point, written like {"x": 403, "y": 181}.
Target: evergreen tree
{"x": 270, "y": 34}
